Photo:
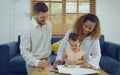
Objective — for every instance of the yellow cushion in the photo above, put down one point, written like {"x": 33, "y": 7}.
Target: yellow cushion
{"x": 55, "y": 46}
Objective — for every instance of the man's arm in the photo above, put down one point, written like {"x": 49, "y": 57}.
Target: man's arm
{"x": 25, "y": 47}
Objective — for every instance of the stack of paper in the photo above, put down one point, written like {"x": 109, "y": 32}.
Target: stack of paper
{"x": 75, "y": 70}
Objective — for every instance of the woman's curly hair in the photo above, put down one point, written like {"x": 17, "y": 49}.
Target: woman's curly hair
{"x": 77, "y": 28}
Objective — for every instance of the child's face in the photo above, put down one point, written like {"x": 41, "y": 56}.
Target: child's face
{"x": 74, "y": 44}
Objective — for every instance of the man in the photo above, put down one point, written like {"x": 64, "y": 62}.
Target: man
{"x": 35, "y": 44}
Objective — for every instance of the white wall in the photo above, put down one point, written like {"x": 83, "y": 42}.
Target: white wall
{"x": 109, "y": 13}
{"x": 14, "y": 18}
{"x": 4, "y": 21}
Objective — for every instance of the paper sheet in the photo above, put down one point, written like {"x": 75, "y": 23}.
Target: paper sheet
{"x": 75, "y": 70}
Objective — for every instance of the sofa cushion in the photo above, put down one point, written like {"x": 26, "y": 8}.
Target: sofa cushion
{"x": 112, "y": 50}
{"x": 55, "y": 39}
{"x": 17, "y": 64}
{"x": 109, "y": 64}
{"x": 52, "y": 59}
{"x": 55, "y": 46}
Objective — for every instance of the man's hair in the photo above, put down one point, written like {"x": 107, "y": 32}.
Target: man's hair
{"x": 74, "y": 37}
{"x": 40, "y": 7}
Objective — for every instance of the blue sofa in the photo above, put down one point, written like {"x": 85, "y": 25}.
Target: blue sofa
{"x": 12, "y": 63}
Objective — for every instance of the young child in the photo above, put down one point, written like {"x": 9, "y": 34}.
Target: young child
{"x": 73, "y": 55}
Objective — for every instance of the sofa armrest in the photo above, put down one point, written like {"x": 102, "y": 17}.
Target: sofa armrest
{"x": 4, "y": 58}
{"x": 12, "y": 49}
{"x": 112, "y": 50}
{"x": 7, "y": 52}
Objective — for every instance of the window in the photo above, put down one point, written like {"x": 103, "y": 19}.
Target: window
{"x": 63, "y": 13}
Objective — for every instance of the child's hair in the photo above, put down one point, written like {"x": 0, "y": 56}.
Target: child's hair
{"x": 74, "y": 37}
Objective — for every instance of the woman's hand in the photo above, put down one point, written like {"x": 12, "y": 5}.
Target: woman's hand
{"x": 57, "y": 62}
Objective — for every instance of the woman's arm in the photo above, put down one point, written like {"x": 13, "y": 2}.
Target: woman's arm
{"x": 96, "y": 54}
{"x": 63, "y": 46}
{"x": 65, "y": 57}
{"x": 25, "y": 47}
{"x": 62, "y": 49}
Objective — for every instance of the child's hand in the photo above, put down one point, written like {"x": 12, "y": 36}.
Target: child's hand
{"x": 79, "y": 62}
{"x": 85, "y": 65}
{"x": 69, "y": 62}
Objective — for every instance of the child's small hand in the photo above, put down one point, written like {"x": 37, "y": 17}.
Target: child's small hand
{"x": 68, "y": 62}
{"x": 85, "y": 65}
{"x": 79, "y": 62}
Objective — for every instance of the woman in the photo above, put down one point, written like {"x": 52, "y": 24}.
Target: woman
{"x": 88, "y": 27}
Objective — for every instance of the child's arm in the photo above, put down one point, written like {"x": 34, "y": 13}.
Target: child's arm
{"x": 66, "y": 60}
{"x": 65, "y": 57}
{"x": 81, "y": 61}
{"x": 85, "y": 64}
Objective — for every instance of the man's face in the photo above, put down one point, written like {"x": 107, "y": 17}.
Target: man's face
{"x": 41, "y": 17}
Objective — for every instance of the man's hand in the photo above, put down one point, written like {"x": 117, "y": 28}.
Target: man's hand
{"x": 57, "y": 62}
{"x": 43, "y": 63}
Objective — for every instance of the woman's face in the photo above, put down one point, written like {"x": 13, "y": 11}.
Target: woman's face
{"x": 88, "y": 27}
